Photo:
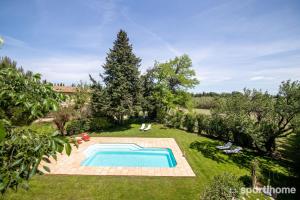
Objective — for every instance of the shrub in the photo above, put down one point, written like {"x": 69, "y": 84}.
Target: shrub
{"x": 177, "y": 119}
{"x": 168, "y": 120}
{"x": 99, "y": 123}
{"x": 202, "y": 123}
{"x": 218, "y": 127}
{"x": 223, "y": 187}
{"x": 78, "y": 126}
{"x": 189, "y": 122}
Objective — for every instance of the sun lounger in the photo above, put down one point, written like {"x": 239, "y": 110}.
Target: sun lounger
{"x": 142, "y": 127}
{"x": 226, "y": 146}
{"x": 148, "y": 128}
{"x": 232, "y": 151}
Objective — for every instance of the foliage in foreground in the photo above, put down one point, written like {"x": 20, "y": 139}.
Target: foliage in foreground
{"x": 23, "y": 96}
{"x": 223, "y": 187}
{"x": 21, "y": 152}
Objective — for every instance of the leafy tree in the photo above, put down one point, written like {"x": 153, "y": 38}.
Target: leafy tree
{"x": 24, "y": 98}
{"x": 81, "y": 96}
{"x": 149, "y": 102}
{"x": 100, "y": 101}
{"x": 121, "y": 79}
{"x": 167, "y": 84}
{"x": 177, "y": 73}
{"x": 262, "y": 117}
{"x": 61, "y": 117}
{"x": 174, "y": 78}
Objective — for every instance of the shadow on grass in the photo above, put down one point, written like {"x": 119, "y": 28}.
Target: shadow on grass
{"x": 115, "y": 128}
{"x": 208, "y": 150}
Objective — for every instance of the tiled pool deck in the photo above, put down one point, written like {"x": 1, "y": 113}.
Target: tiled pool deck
{"x": 71, "y": 164}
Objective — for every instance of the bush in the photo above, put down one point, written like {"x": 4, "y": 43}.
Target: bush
{"x": 189, "y": 122}
{"x": 78, "y": 126}
{"x": 202, "y": 123}
{"x": 223, "y": 187}
{"x": 99, "y": 123}
{"x": 177, "y": 119}
{"x": 218, "y": 127}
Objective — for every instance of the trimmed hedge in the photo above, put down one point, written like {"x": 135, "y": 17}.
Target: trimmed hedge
{"x": 189, "y": 122}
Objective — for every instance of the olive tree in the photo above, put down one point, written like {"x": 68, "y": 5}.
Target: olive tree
{"x": 261, "y": 117}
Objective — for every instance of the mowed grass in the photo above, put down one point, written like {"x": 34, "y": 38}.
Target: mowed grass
{"x": 200, "y": 152}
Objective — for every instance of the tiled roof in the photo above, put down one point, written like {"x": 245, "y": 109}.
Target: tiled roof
{"x": 64, "y": 89}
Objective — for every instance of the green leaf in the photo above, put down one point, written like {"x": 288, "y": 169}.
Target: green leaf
{"x": 54, "y": 107}
{"x": 2, "y": 131}
{"x": 17, "y": 162}
{"x": 2, "y": 186}
{"x": 68, "y": 148}
{"x": 56, "y": 133}
{"x": 47, "y": 169}
{"x": 58, "y": 140}
{"x": 33, "y": 170}
{"x": 38, "y": 147}
{"x": 60, "y": 148}
{"x": 47, "y": 160}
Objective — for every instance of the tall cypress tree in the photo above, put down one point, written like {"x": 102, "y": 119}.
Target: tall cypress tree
{"x": 122, "y": 79}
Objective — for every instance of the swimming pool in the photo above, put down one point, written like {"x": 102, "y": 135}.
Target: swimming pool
{"x": 128, "y": 155}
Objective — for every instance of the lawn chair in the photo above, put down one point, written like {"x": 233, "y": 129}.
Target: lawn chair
{"x": 148, "y": 127}
{"x": 142, "y": 127}
{"x": 226, "y": 146}
{"x": 233, "y": 151}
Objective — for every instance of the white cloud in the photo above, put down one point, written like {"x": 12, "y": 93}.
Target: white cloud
{"x": 66, "y": 69}
{"x": 14, "y": 42}
{"x": 255, "y": 78}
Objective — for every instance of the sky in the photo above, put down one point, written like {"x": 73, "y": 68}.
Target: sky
{"x": 233, "y": 43}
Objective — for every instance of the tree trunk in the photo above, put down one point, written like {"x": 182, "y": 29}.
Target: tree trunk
{"x": 270, "y": 145}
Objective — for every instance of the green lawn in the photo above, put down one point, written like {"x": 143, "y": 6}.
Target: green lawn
{"x": 200, "y": 153}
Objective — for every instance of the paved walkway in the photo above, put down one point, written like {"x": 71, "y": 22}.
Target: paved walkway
{"x": 71, "y": 164}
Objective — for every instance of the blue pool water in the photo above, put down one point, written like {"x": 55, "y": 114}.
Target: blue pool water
{"x": 128, "y": 155}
